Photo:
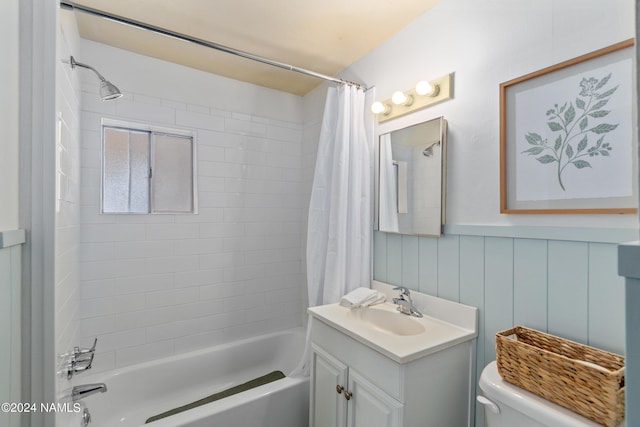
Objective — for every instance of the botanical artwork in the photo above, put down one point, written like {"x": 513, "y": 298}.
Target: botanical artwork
{"x": 568, "y": 136}
{"x": 572, "y": 135}
{"x": 579, "y": 129}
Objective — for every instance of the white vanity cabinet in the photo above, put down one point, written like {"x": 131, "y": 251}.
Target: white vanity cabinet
{"x": 363, "y": 375}
{"x": 333, "y": 387}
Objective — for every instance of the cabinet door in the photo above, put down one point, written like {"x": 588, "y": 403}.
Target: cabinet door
{"x": 328, "y": 407}
{"x": 369, "y": 406}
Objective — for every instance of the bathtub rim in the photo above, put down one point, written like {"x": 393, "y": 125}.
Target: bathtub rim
{"x": 112, "y": 373}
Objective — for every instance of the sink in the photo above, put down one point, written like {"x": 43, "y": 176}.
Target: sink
{"x": 389, "y": 322}
{"x": 400, "y": 337}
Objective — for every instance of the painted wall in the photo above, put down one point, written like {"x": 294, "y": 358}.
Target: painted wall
{"x": 551, "y": 272}
{"x": 9, "y": 20}
{"x": 155, "y": 285}
{"x": 485, "y": 43}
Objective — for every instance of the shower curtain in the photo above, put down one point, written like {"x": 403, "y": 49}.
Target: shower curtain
{"x": 340, "y": 211}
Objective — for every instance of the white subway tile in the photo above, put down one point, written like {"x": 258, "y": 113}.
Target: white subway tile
{"x": 199, "y": 121}
{"x": 211, "y": 153}
{"x": 219, "y": 321}
{"x": 245, "y": 127}
{"x": 97, "y": 325}
{"x": 171, "y": 330}
{"x": 171, "y": 231}
{"x": 144, "y": 283}
{"x": 224, "y": 259}
{"x": 143, "y": 353}
{"x": 284, "y": 134}
{"x": 171, "y": 297}
{"x": 199, "y": 309}
{"x": 145, "y": 318}
{"x": 171, "y": 264}
{"x": 221, "y": 229}
{"x": 221, "y": 290}
{"x": 97, "y": 288}
{"x": 145, "y": 112}
{"x": 112, "y": 232}
{"x": 96, "y": 251}
{"x": 218, "y": 139}
{"x": 143, "y": 249}
{"x": 198, "y": 109}
{"x": 199, "y": 278}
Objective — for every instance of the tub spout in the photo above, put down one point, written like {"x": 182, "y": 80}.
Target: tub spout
{"x": 85, "y": 390}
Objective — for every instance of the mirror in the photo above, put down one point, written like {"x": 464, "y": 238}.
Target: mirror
{"x": 411, "y": 179}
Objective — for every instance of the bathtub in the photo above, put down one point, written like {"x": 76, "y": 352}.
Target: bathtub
{"x": 138, "y": 392}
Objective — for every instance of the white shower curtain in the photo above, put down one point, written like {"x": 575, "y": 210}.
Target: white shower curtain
{"x": 340, "y": 212}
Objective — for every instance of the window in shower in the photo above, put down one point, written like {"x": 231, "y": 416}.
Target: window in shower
{"x": 147, "y": 170}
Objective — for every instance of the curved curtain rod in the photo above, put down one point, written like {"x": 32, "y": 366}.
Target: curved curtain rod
{"x": 70, "y": 5}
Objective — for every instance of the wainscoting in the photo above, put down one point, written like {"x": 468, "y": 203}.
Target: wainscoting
{"x": 10, "y": 301}
{"x": 563, "y": 281}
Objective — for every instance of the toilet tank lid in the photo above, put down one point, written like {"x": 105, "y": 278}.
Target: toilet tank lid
{"x": 529, "y": 404}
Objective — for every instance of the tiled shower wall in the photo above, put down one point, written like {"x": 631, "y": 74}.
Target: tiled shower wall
{"x": 154, "y": 285}
{"x": 557, "y": 280}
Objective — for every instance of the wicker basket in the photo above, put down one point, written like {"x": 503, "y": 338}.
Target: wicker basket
{"x": 583, "y": 379}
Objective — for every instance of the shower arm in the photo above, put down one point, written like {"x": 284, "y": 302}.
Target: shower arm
{"x": 70, "y": 5}
{"x": 75, "y": 63}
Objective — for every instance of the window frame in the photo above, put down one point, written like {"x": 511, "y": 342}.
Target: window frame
{"x": 151, "y": 130}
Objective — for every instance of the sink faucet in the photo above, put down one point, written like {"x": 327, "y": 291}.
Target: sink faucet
{"x": 85, "y": 390}
{"x": 405, "y": 304}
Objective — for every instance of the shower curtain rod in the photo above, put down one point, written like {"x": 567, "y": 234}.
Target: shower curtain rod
{"x": 70, "y": 5}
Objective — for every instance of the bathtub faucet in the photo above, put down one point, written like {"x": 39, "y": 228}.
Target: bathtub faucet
{"x": 85, "y": 390}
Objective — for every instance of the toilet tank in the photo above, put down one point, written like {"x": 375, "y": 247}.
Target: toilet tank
{"x": 507, "y": 405}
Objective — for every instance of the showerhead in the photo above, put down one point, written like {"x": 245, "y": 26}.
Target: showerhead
{"x": 428, "y": 152}
{"x": 108, "y": 90}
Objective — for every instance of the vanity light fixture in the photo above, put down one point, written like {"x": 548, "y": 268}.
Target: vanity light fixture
{"x": 424, "y": 94}
{"x": 380, "y": 108}
{"x": 401, "y": 98}
{"x": 425, "y": 88}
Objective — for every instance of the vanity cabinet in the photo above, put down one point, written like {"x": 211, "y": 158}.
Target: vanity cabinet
{"x": 344, "y": 398}
{"x": 375, "y": 367}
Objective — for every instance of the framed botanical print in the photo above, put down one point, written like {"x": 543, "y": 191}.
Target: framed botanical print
{"x": 568, "y": 140}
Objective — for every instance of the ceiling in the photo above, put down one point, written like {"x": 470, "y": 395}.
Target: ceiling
{"x": 323, "y": 36}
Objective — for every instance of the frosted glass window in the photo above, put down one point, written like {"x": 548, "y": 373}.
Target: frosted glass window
{"x": 147, "y": 172}
{"x": 125, "y": 171}
{"x": 172, "y": 177}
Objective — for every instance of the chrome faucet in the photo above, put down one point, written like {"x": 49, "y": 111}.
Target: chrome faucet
{"x": 404, "y": 302}
{"x": 86, "y": 390}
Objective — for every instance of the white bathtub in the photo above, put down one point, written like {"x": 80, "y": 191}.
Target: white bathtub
{"x": 138, "y": 392}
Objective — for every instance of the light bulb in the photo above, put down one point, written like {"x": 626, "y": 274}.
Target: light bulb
{"x": 424, "y": 87}
{"x": 398, "y": 98}
{"x": 380, "y": 108}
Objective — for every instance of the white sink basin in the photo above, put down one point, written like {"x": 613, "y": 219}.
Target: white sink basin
{"x": 389, "y": 322}
{"x": 400, "y": 337}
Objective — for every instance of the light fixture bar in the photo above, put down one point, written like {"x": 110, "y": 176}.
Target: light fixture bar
{"x": 443, "y": 92}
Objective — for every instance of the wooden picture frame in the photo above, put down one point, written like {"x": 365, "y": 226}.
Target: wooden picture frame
{"x": 568, "y": 137}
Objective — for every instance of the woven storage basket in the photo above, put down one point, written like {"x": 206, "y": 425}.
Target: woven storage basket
{"x": 555, "y": 368}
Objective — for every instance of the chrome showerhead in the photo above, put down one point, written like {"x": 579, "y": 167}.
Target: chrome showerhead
{"x": 108, "y": 90}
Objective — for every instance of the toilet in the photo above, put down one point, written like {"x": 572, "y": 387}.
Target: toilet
{"x": 507, "y": 405}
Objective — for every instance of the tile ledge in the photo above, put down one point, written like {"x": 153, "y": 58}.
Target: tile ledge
{"x": 10, "y": 238}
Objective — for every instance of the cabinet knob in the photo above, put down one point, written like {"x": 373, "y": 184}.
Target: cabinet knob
{"x": 339, "y": 389}
{"x": 347, "y": 395}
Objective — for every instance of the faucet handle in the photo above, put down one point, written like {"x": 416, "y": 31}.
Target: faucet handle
{"x": 403, "y": 290}
{"x": 77, "y": 351}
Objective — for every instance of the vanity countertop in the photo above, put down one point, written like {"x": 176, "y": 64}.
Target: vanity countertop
{"x": 397, "y": 336}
